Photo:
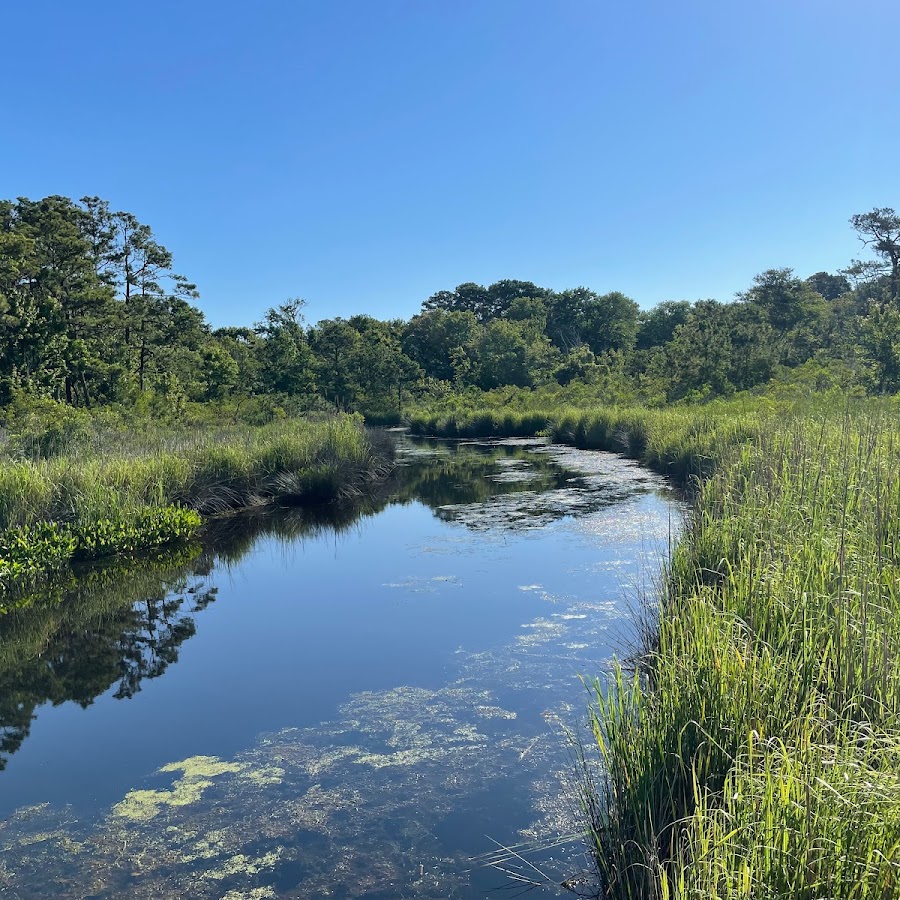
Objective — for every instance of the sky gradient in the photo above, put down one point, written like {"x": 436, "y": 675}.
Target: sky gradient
{"x": 364, "y": 154}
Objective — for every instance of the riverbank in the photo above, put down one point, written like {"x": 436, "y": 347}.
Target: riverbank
{"x": 681, "y": 442}
{"x": 124, "y": 495}
{"x": 754, "y": 751}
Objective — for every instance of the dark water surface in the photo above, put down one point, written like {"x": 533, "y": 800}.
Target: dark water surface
{"x": 356, "y": 704}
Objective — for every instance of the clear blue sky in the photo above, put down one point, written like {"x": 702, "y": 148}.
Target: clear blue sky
{"x": 366, "y": 153}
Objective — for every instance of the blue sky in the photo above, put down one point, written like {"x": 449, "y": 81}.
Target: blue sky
{"x": 363, "y": 154}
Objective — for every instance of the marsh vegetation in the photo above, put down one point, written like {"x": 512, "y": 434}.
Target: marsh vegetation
{"x": 746, "y": 747}
{"x": 112, "y": 491}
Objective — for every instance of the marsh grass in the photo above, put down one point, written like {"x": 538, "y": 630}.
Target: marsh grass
{"x": 754, "y": 751}
{"x": 119, "y": 491}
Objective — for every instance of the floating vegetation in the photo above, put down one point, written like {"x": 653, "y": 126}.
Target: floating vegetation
{"x": 302, "y": 802}
{"x": 587, "y": 482}
{"x": 198, "y": 773}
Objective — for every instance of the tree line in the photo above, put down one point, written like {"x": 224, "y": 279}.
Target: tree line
{"x": 92, "y": 312}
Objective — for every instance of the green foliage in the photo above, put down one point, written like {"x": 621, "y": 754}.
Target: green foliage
{"x": 880, "y": 231}
{"x": 41, "y": 427}
{"x": 285, "y": 360}
{"x": 92, "y": 314}
{"x": 151, "y": 527}
{"x": 880, "y": 336}
{"x": 436, "y": 338}
{"x": 27, "y": 551}
{"x": 829, "y": 286}
{"x": 484, "y": 303}
{"x": 755, "y": 758}
{"x": 657, "y": 326}
{"x": 506, "y": 354}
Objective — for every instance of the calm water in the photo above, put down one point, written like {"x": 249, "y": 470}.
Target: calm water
{"x": 364, "y": 705}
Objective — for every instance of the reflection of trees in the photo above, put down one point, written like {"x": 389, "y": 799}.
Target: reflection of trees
{"x": 116, "y": 625}
{"x": 111, "y": 627}
{"x": 93, "y": 635}
{"x": 148, "y": 648}
{"x": 462, "y": 472}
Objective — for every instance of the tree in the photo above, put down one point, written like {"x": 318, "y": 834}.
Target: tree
{"x": 698, "y": 359}
{"x": 286, "y": 360}
{"x": 53, "y": 301}
{"x": 880, "y": 337}
{"x": 244, "y": 346}
{"x": 829, "y": 286}
{"x": 381, "y": 369}
{"x": 432, "y": 338}
{"x": 145, "y": 268}
{"x": 578, "y": 365}
{"x": 610, "y": 322}
{"x": 657, "y": 326}
{"x": 507, "y": 354}
{"x": 468, "y": 297}
{"x": 754, "y": 347}
{"x": 220, "y": 370}
{"x": 485, "y": 303}
{"x": 798, "y": 314}
{"x": 880, "y": 231}
{"x": 335, "y": 344}
{"x": 565, "y": 317}
{"x": 504, "y": 295}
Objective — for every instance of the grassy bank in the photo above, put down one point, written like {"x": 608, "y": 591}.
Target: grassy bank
{"x": 682, "y": 442}
{"x": 126, "y": 492}
{"x": 754, "y": 752}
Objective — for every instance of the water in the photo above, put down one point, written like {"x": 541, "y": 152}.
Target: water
{"x": 360, "y": 704}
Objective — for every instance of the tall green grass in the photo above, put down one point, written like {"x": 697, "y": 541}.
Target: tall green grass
{"x": 128, "y": 492}
{"x": 678, "y": 441}
{"x": 756, "y": 755}
{"x": 752, "y": 747}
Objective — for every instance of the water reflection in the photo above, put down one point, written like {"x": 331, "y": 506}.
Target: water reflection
{"x": 124, "y": 622}
{"x": 108, "y": 627}
{"x": 117, "y": 625}
{"x": 385, "y": 795}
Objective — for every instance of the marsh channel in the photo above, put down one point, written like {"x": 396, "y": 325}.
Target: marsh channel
{"x": 367, "y": 701}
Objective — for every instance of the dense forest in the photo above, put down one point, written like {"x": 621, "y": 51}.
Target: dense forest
{"x": 93, "y": 313}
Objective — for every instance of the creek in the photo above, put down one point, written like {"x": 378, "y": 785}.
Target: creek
{"x": 367, "y": 702}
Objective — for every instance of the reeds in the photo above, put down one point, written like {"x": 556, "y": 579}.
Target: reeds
{"x": 124, "y": 492}
{"x": 755, "y": 752}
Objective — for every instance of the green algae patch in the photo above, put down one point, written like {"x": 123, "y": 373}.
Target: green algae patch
{"x": 242, "y": 864}
{"x": 198, "y": 767}
{"x": 258, "y": 893}
{"x": 264, "y": 776}
{"x": 301, "y": 800}
{"x": 197, "y": 774}
{"x": 495, "y": 712}
{"x": 141, "y": 806}
{"x": 400, "y": 758}
{"x": 329, "y": 759}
